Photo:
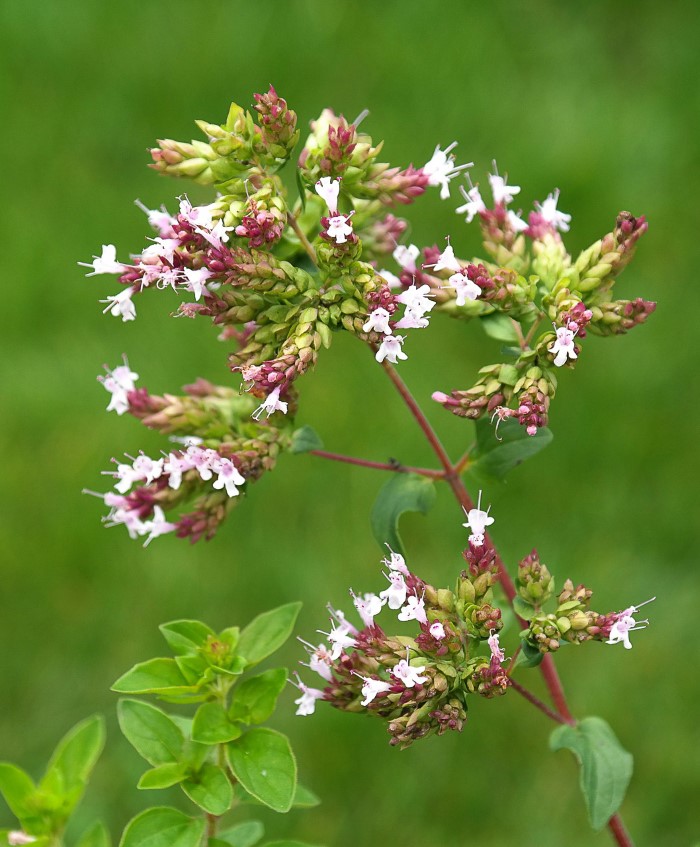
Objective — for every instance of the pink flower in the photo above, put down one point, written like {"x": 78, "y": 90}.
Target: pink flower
{"x": 390, "y": 349}
{"x": 407, "y": 675}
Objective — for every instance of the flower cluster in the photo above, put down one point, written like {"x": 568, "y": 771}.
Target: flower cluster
{"x": 280, "y": 276}
{"x": 572, "y": 620}
{"x": 221, "y": 451}
{"x": 418, "y": 684}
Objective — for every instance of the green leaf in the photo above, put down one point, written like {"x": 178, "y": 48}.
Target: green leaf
{"x": 304, "y": 439}
{"x": 95, "y": 836}
{"x": 185, "y": 637}
{"x": 213, "y": 726}
{"x": 244, "y": 834}
{"x": 152, "y": 677}
{"x": 255, "y": 698}
{"x": 523, "y": 609}
{"x": 497, "y": 455}
{"x": 263, "y": 762}
{"x": 267, "y": 633}
{"x": 404, "y": 492}
{"x": 210, "y": 789}
{"x": 163, "y": 776}
{"x": 154, "y": 735}
{"x": 163, "y": 827}
{"x": 17, "y": 788}
{"x": 529, "y": 656}
{"x": 606, "y": 767}
{"x": 287, "y": 843}
{"x": 76, "y": 755}
{"x": 499, "y": 326}
{"x": 304, "y": 798}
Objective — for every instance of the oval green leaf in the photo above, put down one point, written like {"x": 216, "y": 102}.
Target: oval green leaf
{"x": 96, "y": 836}
{"x": 17, "y": 787}
{"x": 245, "y": 834}
{"x": 210, "y": 789}
{"x": 213, "y": 726}
{"x": 267, "y": 633}
{"x": 76, "y": 754}
{"x": 164, "y": 776}
{"x": 605, "y": 766}
{"x": 186, "y": 636}
{"x": 304, "y": 439}
{"x": 255, "y": 698}
{"x": 152, "y": 677}
{"x": 163, "y": 827}
{"x": 264, "y": 764}
{"x": 154, "y": 735}
{"x": 497, "y": 455}
{"x": 404, "y": 492}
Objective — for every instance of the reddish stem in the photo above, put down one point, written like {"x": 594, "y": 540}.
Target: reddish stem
{"x": 538, "y": 704}
{"x": 619, "y": 832}
{"x": 379, "y": 466}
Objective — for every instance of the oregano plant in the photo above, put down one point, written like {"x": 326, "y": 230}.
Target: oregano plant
{"x": 291, "y": 250}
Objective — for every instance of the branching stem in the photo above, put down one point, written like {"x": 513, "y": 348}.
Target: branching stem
{"x": 305, "y": 243}
{"x": 395, "y": 466}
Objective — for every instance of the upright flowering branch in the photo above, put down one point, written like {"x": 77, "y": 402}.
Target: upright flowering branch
{"x": 279, "y": 280}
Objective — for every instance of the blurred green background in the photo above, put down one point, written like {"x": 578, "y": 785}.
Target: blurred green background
{"x": 600, "y": 99}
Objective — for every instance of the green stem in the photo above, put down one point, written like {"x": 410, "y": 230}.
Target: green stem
{"x": 305, "y": 243}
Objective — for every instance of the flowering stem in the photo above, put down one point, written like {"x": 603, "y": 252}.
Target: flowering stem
{"x": 305, "y": 243}
{"x": 519, "y": 332}
{"x": 547, "y": 668}
{"x": 395, "y": 466}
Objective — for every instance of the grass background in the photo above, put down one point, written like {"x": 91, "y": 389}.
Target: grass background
{"x": 599, "y": 99}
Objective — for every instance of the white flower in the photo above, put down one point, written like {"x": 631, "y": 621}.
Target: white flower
{"x": 517, "y": 223}
{"x": 175, "y": 466}
{"x": 228, "y": 476}
{"x": 625, "y": 624}
{"x": 441, "y": 169}
{"x": 396, "y": 562}
{"x": 130, "y": 518}
{"x": 319, "y": 659}
{"x": 197, "y": 280}
{"x": 197, "y": 216}
{"x": 474, "y": 203}
{"x": 16, "y": 837}
{"x": 105, "y": 263}
{"x": 447, "y": 261}
{"x": 390, "y": 349}
{"x": 162, "y": 248}
{"x": 406, "y": 256}
{"x": 477, "y": 521}
{"x": 502, "y": 193}
{"x": 408, "y": 675}
{"x": 121, "y": 305}
{"x": 160, "y": 219}
{"x": 157, "y": 526}
{"x": 307, "y": 701}
{"x": 549, "y": 211}
{"x": 126, "y": 475}
{"x": 148, "y": 469}
{"x": 412, "y": 320}
{"x": 216, "y": 236}
{"x": 495, "y": 648}
{"x": 395, "y": 594}
{"x": 368, "y": 607}
{"x": 391, "y": 279}
{"x": 340, "y": 638}
{"x": 378, "y": 321}
{"x": 563, "y": 347}
{"x": 270, "y": 404}
{"x": 339, "y": 227}
{"x": 414, "y": 298}
{"x": 119, "y": 382}
{"x": 202, "y": 460}
{"x": 328, "y": 190}
{"x": 372, "y": 688}
{"x": 414, "y": 610}
{"x": 465, "y": 289}
{"x": 437, "y": 630}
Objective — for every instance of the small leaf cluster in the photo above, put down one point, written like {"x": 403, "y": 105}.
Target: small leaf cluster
{"x": 43, "y": 809}
{"x": 222, "y": 755}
